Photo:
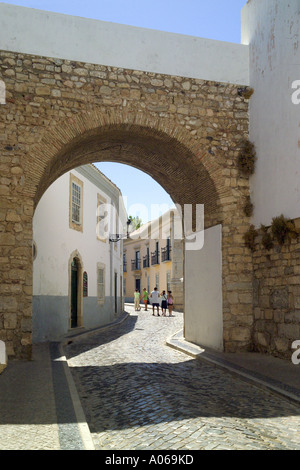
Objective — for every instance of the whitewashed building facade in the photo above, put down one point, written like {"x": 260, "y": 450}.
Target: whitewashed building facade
{"x": 77, "y": 270}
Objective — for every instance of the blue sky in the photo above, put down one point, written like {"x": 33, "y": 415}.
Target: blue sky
{"x": 212, "y": 19}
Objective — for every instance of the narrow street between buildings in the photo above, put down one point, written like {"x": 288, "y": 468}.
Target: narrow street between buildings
{"x": 139, "y": 394}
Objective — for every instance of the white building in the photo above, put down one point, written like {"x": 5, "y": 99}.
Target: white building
{"x": 271, "y": 30}
{"x": 77, "y": 270}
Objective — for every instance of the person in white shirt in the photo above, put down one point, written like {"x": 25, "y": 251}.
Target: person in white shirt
{"x": 155, "y": 302}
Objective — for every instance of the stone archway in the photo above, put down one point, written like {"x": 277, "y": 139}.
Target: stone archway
{"x": 185, "y": 133}
{"x": 156, "y": 153}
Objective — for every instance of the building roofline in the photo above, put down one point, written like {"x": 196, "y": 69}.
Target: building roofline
{"x": 144, "y": 229}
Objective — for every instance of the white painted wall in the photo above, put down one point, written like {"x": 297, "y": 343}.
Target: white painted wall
{"x": 98, "y": 42}
{"x": 56, "y": 241}
{"x": 203, "y": 292}
{"x": 271, "y": 28}
{"x": 56, "y": 245}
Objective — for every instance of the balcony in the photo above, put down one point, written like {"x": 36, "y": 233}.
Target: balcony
{"x": 166, "y": 254}
{"x": 155, "y": 257}
{"x": 124, "y": 267}
{"x": 146, "y": 262}
{"x": 135, "y": 265}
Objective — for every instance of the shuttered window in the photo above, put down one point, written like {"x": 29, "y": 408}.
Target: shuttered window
{"x": 76, "y": 203}
{"x": 101, "y": 284}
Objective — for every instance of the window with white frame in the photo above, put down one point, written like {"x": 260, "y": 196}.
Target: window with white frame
{"x": 76, "y": 203}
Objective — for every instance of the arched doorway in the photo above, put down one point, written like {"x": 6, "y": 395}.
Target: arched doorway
{"x": 75, "y": 290}
{"x": 74, "y": 293}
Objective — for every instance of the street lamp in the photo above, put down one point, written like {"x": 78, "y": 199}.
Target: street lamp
{"x": 117, "y": 237}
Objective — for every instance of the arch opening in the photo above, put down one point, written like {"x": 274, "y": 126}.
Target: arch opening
{"x": 164, "y": 158}
{"x": 184, "y": 175}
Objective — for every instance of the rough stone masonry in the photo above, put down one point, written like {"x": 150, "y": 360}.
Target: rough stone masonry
{"x": 185, "y": 133}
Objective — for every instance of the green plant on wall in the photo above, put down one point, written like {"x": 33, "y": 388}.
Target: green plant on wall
{"x": 249, "y": 237}
{"x": 283, "y": 228}
{"x": 247, "y": 158}
{"x": 293, "y": 231}
{"x": 246, "y": 92}
{"x": 267, "y": 241}
{"x": 248, "y": 207}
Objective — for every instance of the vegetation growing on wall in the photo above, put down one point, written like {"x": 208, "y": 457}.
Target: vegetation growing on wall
{"x": 281, "y": 230}
{"x": 247, "y": 158}
{"x": 267, "y": 241}
{"x": 246, "y": 92}
{"x": 248, "y": 207}
{"x": 250, "y": 237}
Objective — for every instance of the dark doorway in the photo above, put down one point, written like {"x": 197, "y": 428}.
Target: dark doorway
{"x": 74, "y": 293}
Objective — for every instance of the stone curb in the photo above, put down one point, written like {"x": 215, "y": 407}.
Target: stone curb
{"x": 178, "y": 342}
{"x": 75, "y": 336}
{"x": 83, "y": 427}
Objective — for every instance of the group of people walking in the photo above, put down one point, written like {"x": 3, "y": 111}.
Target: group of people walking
{"x": 167, "y": 301}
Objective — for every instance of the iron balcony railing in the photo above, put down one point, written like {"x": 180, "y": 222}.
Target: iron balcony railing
{"x": 155, "y": 257}
{"x": 135, "y": 264}
{"x": 146, "y": 262}
{"x": 166, "y": 254}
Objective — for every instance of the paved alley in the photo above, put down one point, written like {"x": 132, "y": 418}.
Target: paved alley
{"x": 139, "y": 394}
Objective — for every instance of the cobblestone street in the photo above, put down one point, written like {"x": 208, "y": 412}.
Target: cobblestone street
{"x": 138, "y": 393}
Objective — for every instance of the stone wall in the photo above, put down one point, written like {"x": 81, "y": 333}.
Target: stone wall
{"x": 276, "y": 299}
{"x": 186, "y": 133}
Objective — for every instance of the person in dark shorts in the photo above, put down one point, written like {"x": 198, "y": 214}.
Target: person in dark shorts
{"x": 164, "y": 303}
